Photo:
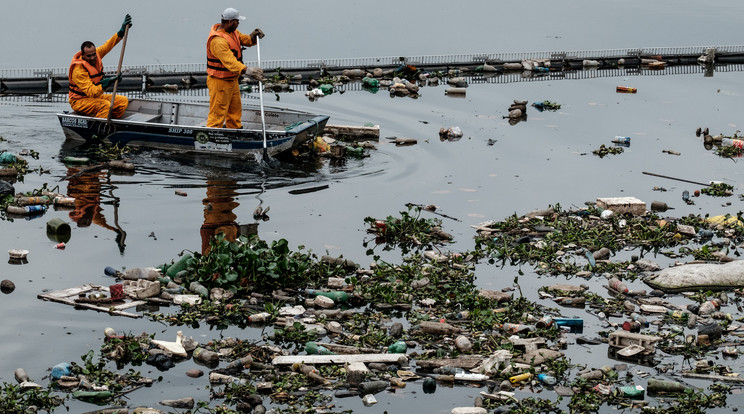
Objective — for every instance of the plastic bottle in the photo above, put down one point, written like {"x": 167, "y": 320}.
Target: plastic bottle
{"x": 148, "y": 273}
{"x": 110, "y": 271}
{"x": 728, "y": 142}
{"x": 372, "y": 387}
{"x": 677, "y": 314}
{"x": 686, "y": 196}
{"x": 206, "y": 356}
{"x": 64, "y": 201}
{"x": 546, "y": 379}
{"x": 326, "y": 88}
{"x": 259, "y": 317}
{"x": 26, "y": 210}
{"x": 520, "y": 377}
{"x": 655, "y": 386}
{"x": 313, "y": 348}
{"x": 398, "y": 347}
{"x": 578, "y": 302}
{"x": 217, "y": 378}
{"x": 32, "y": 201}
{"x": 659, "y": 206}
{"x": 21, "y": 375}
{"x": 618, "y": 285}
{"x": 313, "y": 373}
{"x": 92, "y": 395}
{"x": 467, "y": 376}
{"x": 621, "y": 140}
{"x": 513, "y": 328}
{"x": 640, "y": 319}
{"x": 448, "y": 370}
{"x": 240, "y": 364}
{"x": 336, "y": 296}
{"x": 181, "y": 264}
{"x": 199, "y": 289}
{"x": 370, "y": 82}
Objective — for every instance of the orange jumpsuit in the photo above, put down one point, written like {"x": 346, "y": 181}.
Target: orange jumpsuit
{"x": 224, "y": 65}
{"x": 218, "y": 212}
{"x": 86, "y": 94}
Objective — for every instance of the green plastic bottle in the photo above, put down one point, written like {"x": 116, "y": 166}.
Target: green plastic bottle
{"x": 398, "y": 347}
{"x": 181, "y": 264}
{"x": 313, "y": 348}
{"x": 326, "y": 88}
{"x": 336, "y": 295}
{"x": 92, "y": 395}
{"x": 370, "y": 82}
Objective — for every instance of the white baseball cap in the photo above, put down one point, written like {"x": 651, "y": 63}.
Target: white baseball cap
{"x": 231, "y": 14}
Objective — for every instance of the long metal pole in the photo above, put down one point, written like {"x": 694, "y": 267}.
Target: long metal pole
{"x": 678, "y": 179}
{"x": 260, "y": 96}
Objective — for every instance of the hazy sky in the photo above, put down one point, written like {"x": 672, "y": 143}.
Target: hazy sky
{"x": 174, "y": 31}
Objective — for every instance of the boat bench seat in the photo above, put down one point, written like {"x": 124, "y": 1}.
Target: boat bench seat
{"x": 141, "y": 117}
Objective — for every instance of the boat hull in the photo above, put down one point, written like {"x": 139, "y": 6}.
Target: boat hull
{"x": 170, "y": 126}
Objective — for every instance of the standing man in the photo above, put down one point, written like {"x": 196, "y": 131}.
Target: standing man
{"x": 224, "y": 68}
{"x": 87, "y": 82}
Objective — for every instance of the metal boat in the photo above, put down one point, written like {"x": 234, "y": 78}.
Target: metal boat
{"x": 180, "y": 126}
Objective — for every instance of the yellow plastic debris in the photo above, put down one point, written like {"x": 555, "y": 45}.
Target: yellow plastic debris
{"x": 725, "y": 220}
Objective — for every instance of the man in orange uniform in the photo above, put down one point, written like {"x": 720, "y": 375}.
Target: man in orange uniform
{"x": 87, "y": 82}
{"x": 224, "y": 68}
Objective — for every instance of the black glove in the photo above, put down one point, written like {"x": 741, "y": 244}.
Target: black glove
{"x": 257, "y": 33}
{"x": 106, "y": 82}
{"x": 127, "y": 22}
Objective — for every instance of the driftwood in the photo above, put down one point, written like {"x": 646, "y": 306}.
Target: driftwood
{"x": 338, "y": 359}
{"x": 353, "y": 131}
{"x": 110, "y": 165}
{"x": 713, "y": 377}
{"x": 466, "y": 363}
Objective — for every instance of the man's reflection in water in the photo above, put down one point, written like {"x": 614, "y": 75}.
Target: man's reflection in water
{"x": 86, "y": 189}
{"x": 218, "y": 212}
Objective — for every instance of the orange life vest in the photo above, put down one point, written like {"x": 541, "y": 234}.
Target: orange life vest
{"x": 214, "y": 65}
{"x": 95, "y": 73}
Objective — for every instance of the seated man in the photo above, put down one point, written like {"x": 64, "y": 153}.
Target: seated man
{"x": 87, "y": 82}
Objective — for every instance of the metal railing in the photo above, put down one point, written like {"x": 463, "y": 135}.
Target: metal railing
{"x": 387, "y": 61}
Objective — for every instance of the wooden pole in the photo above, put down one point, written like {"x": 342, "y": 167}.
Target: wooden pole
{"x": 118, "y": 72}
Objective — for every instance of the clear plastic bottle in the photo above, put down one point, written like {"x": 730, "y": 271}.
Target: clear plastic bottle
{"x": 546, "y": 379}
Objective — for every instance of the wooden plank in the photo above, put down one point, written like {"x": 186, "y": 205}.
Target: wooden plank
{"x": 713, "y": 377}
{"x": 68, "y": 296}
{"x": 353, "y": 131}
{"x": 337, "y": 359}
